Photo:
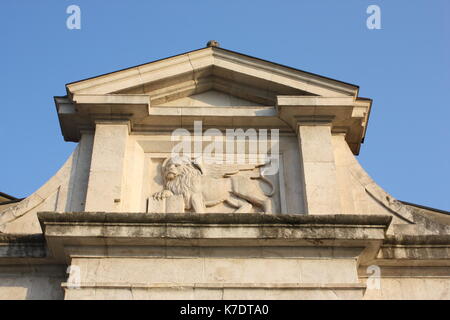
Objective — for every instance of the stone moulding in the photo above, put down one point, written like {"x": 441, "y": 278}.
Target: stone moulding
{"x": 430, "y": 250}
{"x": 20, "y": 249}
{"x": 117, "y": 229}
{"x": 302, "y": 286}
{"x": 63, "y": 231}
{"x": 138, "y": 94}
{"x": 94, "y": 235}
{"x": 213, "y": 218}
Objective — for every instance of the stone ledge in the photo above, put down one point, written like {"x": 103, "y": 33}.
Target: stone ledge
{"x": 215, "y": 218}
{"x": 229, "y": 229}
{"x": 418, "y": 240}
{"x": 22, "y": 238}
{"x": 338, "y": 286}
{"x": 17, "y": 248}
{"x": 79, "y": 231}
{"x": 417, "y": 251}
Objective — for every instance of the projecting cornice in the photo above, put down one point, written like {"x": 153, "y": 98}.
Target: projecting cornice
{"x": 214, "y": 61}
{"x": 346, "y": 115}
{"x": 280, "y": 95}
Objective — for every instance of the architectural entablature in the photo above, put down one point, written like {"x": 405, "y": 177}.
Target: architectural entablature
{"x": 347, "y": 115}
{"x": 213, "y": 174}
{"x": 153, "y": 96}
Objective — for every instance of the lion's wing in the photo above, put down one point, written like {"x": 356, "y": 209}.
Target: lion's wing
{"x": 223, "y": 170}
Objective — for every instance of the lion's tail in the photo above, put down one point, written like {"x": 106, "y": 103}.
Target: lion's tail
{"x": 263, "y": 178}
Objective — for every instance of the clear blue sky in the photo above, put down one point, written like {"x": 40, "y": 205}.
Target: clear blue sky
{"x": 404, "y": 68}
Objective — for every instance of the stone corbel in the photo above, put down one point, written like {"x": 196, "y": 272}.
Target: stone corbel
{"x": 80, "y": 112}
{"x": 346, "y": 115}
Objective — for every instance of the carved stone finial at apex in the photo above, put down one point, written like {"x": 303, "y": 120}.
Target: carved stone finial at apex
{"x": 213, "y": 43}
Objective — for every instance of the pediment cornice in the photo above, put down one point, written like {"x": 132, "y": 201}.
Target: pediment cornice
{"x": 211, "y": 63}
{"x": 146, "y": 96}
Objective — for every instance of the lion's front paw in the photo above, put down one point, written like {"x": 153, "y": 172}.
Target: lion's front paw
{"x": 162, "y": 194}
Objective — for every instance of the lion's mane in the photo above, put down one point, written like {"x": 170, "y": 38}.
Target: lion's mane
{"x": 183, "y": 183}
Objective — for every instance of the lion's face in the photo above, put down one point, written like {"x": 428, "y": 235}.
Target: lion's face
{"x": 175, "y": 167}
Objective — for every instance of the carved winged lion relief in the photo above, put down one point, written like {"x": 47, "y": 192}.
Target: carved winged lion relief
{"x": 207, "y": 185}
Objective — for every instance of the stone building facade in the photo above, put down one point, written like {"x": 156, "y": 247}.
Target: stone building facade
{"x": 126, "y": 219}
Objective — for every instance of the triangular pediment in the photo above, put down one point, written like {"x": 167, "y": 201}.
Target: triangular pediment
{"x": 169, "y": 93}
{"x": 212, "y": 68}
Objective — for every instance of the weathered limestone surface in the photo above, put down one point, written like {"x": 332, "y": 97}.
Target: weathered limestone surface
{"x": 65, "y": 191}
{"x": 32, "y": 283}
{"x": 107, "y": 167}
{"x": 328, "y": 232}
{"x": 412, "y": 288}
{"x": 26, "y": 272}
{"x": 321, "y": 185}
{"x": 181, "y": 256}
